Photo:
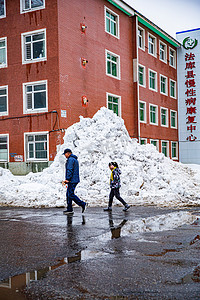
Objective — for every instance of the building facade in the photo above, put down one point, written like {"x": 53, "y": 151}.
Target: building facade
{"x": 60, "y": 59}
{"x": 189, "y": 95}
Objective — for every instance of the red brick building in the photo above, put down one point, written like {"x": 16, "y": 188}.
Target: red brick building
{"x": 60, "y": 59}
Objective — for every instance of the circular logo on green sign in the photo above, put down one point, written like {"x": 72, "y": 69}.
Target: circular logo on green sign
{"x": 189, "y": 43}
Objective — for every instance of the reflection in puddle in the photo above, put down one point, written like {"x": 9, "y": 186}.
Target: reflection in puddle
{"x": 193, "y": 277}
{"x": 115, "y": 230}
{"x": 11, "y": 288}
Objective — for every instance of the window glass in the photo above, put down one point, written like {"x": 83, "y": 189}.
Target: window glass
{"x": 2, "y": 8}
{"x": 113, "y": 104}
{"x": 111, "y": 23}
{"x": 172, "y": 89}
{"x": 163, "y": 116}
{"x": 142, "y": 112}
{"x": 153, "y": 114}
{"x": 112, "y": 65}
{"x": 31, "y": 4}
{"x": 3, "y": 100}
{"x": 37, "y": 146}
{"x": 173, "y": 119}
{"x": 163, "y": 85}
{"x": 2, "y": 52}
{"x": 165, "y": 148}
{"x": 36, "y": 96}
{"x": 34, "y": 46}
{"x": 152, "y": 80}
{"x": 174, "y": 150}
{"x": 3, "y": 148}
{"x": 141, "y": 75}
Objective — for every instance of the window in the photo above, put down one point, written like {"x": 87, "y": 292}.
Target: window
{"x": 172, "y": 58}
{"x": 165, "y": 147}
{"x": 3, "y": 147}
{"x": 164, "y": 117}
{"x": 142, "y": 106}
{"x": 141, "y": 75}
{"x": 152, "y": 45}
{"x": 163, "y": 52}
{"x": 172, "y": 88}
{"x": 34, "y": 46}
{"x": 3, "y": 100}
{"x": 112, "y": 65}
{"x": 112, "y": 22}
{"x": 2, "y": 8}
{"x": 143, "y": 141}
{"x": 3, "y": 52}
{"x": 174, "y": 146}
{"x": 155, "y": 143}
{"x": 163, "y": 85}
{"x": 173, "y": 118}
{"x": 152, "y": 80}
{"x": 141, "y": 38}
{"x": 153, "y": 114}
{"x": 36, "y": 145}
{"x": 35, "y": 97}
{"x": 114, "y": 103}
{"x": 29, "y": 5}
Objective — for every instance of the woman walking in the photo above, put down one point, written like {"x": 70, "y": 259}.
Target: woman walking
{"x": 115, "y": 185}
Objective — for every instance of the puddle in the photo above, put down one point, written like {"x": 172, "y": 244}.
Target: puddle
{"x": 12, "y": 287}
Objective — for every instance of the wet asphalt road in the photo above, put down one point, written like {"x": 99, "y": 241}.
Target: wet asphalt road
{"x": 84, "y": 256}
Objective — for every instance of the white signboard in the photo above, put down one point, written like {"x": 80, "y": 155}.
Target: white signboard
{"x": 189, "y": 96}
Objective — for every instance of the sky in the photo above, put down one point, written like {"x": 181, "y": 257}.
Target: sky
{"x": 170, "y": 15}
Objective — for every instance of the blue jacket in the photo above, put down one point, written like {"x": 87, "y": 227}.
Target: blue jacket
{"x": 72, "y": 169}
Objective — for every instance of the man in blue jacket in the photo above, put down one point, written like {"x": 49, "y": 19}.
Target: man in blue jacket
{"x": 72, "y": 179}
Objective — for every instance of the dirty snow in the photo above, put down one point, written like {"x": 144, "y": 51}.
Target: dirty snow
{"x": 148, "y": 177}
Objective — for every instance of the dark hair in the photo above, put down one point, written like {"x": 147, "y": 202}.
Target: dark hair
{"x": 113, "y": 163}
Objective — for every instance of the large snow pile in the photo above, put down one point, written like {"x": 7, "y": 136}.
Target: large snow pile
{"x": 148, "y": 177}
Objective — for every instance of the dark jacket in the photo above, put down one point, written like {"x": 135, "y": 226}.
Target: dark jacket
{"x": 72, "y": 169}
{"x": 115, "y": 183}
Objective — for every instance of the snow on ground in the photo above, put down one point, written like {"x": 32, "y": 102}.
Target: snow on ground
{"x": 148, "y": 177}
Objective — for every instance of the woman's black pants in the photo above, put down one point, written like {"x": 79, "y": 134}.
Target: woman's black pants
{"x": 115, "y": 192}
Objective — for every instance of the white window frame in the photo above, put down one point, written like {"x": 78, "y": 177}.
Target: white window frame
{"x": 156, "y": 106}
{"x": 117, "y": 22}
{"x": 26, "y": 148}
{"x": 171, "y": 80}
{"x": 142, "y": 38}
{"x": 7, "y": 135}
{"x": 23, "y": 35}
{"x": 154, "y": 45}
{"x": 165, "y": 52}
{"x": 174, "y": 157}
{"x": 164, "y": 141}
{"x": 143, "y": 139}
{"x": 176, "y": 123}
{"x": 167, "y": 117}
{"x": 144, "y": 75}
{"x": 23, "y": 10}
{"x": 4, "y": 16}
{"x": 166, "y": 86}
{"x": 119, "y": 103}
{"x": 156, "y": 83}
{"x": 157, "y": 143}
{"x": 118, "y": 65}
{"x": 33, "y": 110}
{"x": 6, "y": 112}
{"x": 145, "y": 111}
{"x": 174, "y": 58}
{"x": 5, "y": 64}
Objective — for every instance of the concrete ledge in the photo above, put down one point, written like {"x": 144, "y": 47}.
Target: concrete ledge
{"x": 23, "y": 168}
